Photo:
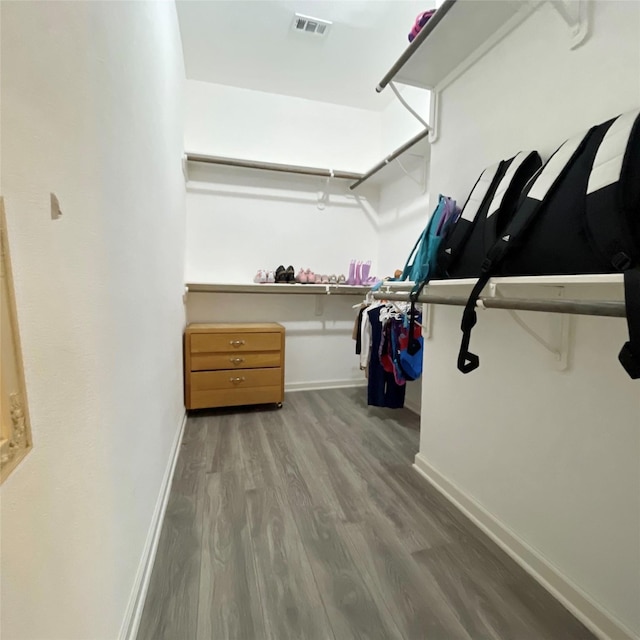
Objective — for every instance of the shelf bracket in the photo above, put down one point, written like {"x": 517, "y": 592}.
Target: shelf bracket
{"x": 576, "y": 14}
{"x": 559, "y": 328}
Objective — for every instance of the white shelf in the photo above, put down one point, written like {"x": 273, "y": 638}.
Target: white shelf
{"x": 458, "y": 30}
{"x": 554, "y": 281}
{"x": 278, "y": 289}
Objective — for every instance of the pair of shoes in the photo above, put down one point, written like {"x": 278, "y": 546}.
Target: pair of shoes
{"x": 342, "y": 279}
{"x": 358, "y": 272}
{"x": 306, "y": 276}
{"x": 262, "y": 276}
{"x": 283, "y": 275}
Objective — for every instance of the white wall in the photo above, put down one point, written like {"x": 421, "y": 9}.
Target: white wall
{"x": 92, "y": 110}
{"x": 239, "y": 221}
{"x": 552, "y": 456}
{"x": 254, "y": 125}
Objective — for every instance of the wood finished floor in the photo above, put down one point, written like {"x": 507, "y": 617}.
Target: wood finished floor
{"x": 309, "y": 523}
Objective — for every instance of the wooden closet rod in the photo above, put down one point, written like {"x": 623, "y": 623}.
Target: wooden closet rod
{"x": 577, "y": 307}
{"x": 273, "y": 166}
{"x": 390, "y": 158}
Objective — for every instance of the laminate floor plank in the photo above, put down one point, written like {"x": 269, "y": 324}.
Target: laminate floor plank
{"x": 257, "y": 459}
{"x": 171, "y": 606}
{"x": 224, "y": 445}
{"x": 229, "y": 600}
{"x": 309, "y": 522}
{"x": 362, "y": 453}
{"x": 413, "y": 597}
{"x": 292, "y": 604}
{"x": 352, "y": 609}
{"x": 286, "y": 463}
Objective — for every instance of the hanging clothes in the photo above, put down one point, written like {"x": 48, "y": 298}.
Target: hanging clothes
{"x": 382, "y": 390}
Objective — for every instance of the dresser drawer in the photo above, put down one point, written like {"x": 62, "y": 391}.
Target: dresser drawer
{"x": 209, "y": 398}
{"x": 201, "y": 380}
{"x": 212, "y": 361}
{"x": 235, "y": 342}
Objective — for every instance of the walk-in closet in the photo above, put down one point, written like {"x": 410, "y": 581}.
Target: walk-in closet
{"x": 320, "y": 320}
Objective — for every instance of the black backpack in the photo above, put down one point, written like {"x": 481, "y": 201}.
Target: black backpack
{"x": 580, "y": 214}
{"x": 489, "y": 208}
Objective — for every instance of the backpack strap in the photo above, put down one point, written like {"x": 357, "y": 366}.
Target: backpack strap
{"x": 485, "y": 186}
{"x": 630, "y": 354}
{"x": 551, "y": 175}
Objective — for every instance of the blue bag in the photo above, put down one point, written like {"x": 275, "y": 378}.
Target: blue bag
{"x": 421, "y": 263}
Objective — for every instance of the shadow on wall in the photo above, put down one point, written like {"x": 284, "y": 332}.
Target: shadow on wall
{"x": 272, "y": 185}
{"x": 301, "y": 313}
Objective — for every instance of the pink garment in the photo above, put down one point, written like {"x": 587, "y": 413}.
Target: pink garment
{"x": 421, "y": 20}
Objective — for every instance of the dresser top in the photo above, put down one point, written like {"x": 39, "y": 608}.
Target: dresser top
{"x": 234, "y": 327}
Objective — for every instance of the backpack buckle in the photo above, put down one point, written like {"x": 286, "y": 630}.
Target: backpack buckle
{"x": 621, "y": 261}
{"x": 486, "y": 265}
{"x": 630, "y": 360}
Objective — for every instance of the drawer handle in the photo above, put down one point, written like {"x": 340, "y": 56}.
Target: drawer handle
{"x": 236, "y": 343}
{"x": 236, "y": 360}
{"x": 236, "y": 380}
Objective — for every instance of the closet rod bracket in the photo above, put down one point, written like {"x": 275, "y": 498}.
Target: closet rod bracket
{"x": 576, "y": 14}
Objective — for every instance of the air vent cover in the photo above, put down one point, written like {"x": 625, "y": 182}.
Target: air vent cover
{"x": 307, "y": 24}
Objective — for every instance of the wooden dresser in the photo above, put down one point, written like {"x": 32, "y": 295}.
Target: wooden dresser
{"x": 233, "y": 364}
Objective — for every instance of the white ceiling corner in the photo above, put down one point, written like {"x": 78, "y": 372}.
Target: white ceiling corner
{"x": 250, "y": 44}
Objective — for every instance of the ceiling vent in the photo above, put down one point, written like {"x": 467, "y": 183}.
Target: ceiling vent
{"x": 307, "y": 24}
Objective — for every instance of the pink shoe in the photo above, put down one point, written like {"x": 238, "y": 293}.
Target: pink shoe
{"x": 364, "y": 273}
{"x": 351, "y": 279}
{"x": 358, "y": 274}
{"x": 302, "y": 276}
{"x": 271, "y": 278}
{"x": 260, "y": 277}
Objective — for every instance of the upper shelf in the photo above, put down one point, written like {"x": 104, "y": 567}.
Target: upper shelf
{"x": 287, "y": 289}
{"x": 455, "y": 32}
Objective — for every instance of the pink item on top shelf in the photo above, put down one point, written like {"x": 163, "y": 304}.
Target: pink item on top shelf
{"x": 421, "y": 20}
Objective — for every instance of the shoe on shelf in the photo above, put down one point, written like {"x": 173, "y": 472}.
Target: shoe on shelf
{"x": 364, "y": 271}
{"x": 342, "y": 279}
{"x": 290, "y": 274}
{"x": 270, "y": 277}
{"x": 301, "y": 276}
{"x": 324, "y": 280}
{"x": 352, "y": 273}
{"x": 260, "y": 277}
{"x": 358, "y": 273}
{"x": 333, "y": 279}
{"x": 280, "y": 275}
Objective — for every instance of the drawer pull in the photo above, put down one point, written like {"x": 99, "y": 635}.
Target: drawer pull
{"x": 236, "y": 343}
{"x": 236, "y": 380}
{"x": 236, "y": 360}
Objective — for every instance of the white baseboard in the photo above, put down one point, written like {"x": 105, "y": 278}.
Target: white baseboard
{"x": 582, "y": 606}
{"x": 323, "y": 384}
{"x": 412, "y": 406}
{"x": 131, "y": 622}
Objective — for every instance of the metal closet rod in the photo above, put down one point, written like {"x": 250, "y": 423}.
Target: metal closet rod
{"x": 273, "y": 166}
{"x": 577, "y": 307}
{"x": 391, "y": 157}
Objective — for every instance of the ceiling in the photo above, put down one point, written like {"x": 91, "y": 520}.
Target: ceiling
{"x": 250, "y": 44}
